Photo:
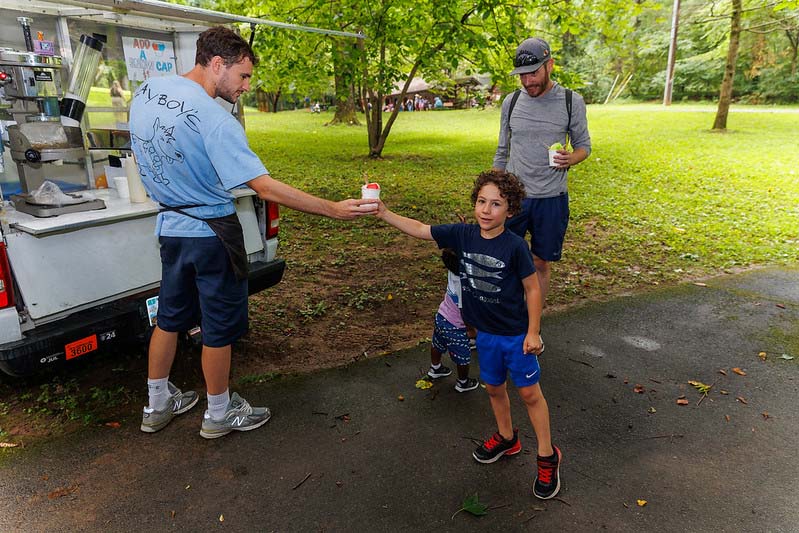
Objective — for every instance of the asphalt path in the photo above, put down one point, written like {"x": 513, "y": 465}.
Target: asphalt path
{"x": 362, "y": 449}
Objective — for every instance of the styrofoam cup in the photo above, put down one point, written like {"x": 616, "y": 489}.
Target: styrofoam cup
{"x": 552, "y": 154}
{"x": 121, "y": 185}
{"x": 369, "y": 193}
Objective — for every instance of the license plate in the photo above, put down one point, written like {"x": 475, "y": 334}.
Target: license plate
{"x": 81, "y": 347}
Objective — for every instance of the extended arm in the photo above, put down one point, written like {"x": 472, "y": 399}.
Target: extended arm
{"x": 412, "y": 227}
{"x": 273, "y": 190}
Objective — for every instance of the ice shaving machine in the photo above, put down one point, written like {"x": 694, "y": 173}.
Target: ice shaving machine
{"x": 47, "y": 129}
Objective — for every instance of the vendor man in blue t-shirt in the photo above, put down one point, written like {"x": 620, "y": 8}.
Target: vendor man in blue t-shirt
{"x": 533, "y": 119}
{"x": 191, "y": 152}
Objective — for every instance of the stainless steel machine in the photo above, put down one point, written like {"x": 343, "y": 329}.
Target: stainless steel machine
{"x": 47, "y": 130}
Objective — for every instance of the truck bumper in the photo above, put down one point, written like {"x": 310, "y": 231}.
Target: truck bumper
{"x": 102, "y": 328}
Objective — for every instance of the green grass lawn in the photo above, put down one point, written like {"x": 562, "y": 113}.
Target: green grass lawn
{"x": 661, "y": 198}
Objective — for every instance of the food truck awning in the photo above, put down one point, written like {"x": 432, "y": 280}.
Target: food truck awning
{"x": 140, "y": 14}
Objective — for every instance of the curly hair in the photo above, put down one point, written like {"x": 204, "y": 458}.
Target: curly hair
{"x": 450, "y": 260}
{"x": 225, "y": 43}
{"x": 510, "y": 188}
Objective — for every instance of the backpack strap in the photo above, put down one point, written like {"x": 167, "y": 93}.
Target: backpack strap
{"x": 513, "y": 99}
{"x": 569, "y": 112}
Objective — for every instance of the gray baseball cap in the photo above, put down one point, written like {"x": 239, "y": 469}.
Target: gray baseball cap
{"x": 531, "y": 55}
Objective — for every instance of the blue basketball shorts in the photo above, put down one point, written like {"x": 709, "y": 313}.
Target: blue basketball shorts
{"x": 546, "y": 219}
{"x": 198, "y": 286}
{"x": 502, "y": 354}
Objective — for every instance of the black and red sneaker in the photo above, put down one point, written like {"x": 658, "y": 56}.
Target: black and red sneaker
{"x": 547, "y": 482}
{"x": 496, "y": 447}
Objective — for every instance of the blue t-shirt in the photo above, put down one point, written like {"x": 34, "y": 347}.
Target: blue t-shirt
{"x": 190, "y": 151}
{"x": 491, "y": 273}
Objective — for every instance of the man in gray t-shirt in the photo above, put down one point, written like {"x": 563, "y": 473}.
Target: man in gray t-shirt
{"x": 542, "y": 114}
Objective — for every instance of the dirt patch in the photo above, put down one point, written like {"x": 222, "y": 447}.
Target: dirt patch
{"x": 341, "y": 314}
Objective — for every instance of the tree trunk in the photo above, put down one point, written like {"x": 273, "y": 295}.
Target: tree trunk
{"x": 794, "y": 40}
{"x": 345, "y": 88}
{"x": 261, "y": 100}
{"x": 374, "y": 117}
{"x": 675, "y": 24}
{"x": 725, "y": 97}
{"x": 274, "y": 98}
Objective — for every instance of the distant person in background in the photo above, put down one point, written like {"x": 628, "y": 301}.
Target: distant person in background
{"x": 437, "y": 103}
{"x": 532, "y": 120}
{"x": 118, "y": 101}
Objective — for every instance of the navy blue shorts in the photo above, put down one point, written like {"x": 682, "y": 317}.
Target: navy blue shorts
{"x": 198, "y": 286}
{"x": 546, "y": 219}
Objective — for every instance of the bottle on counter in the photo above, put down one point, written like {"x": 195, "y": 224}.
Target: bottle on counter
{"x": 135, "y": 186}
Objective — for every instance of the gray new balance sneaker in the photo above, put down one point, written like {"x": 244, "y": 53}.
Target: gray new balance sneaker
{"x": 240, "y": 416}
{"x": 179, "y": 402}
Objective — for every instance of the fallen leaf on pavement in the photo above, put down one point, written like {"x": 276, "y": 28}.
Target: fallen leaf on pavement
{"x": 741, "y": 399}
{"x": 786, "y": 357}
{"x": 221, "y": 518}
{"x": 8, "y": 444}
{"x": 115, "y": 425}
{"x": 651, "y": 410}
{"x": 762, "y": 356}
{"x": 473, "y": 506}
{"x": 698, "y": 284}
{"x": 722, "y": 391}
{"x": 781, "y": 306}
{"x": 765, "y": 414}
{"x": 722, "y": 372}
{"x": 638, "y": 388}
{"x": 423, "y": 384}
{"x": 701, "y": 387}
{"x": 682, "y": 401}
{"x": 641, "y": 503}
{"x": 739, "y": 371}
{"x": 727, "y": 418}
{"x": 401, "y": 398}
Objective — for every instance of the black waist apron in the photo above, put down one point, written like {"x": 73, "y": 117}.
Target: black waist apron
{"x": 228, "y": 230}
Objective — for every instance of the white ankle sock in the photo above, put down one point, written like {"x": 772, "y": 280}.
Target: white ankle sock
{"x": 435, "y": 367}
{"x": 217, "y": 404}
{"x": 158, "y": 391}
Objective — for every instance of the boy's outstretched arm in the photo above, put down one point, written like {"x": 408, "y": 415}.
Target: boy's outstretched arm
{"x": 412, "y": 227}
{"x": 532, "y": 291}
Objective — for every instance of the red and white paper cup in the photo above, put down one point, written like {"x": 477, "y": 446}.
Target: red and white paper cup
{"x": 370, "y": 190}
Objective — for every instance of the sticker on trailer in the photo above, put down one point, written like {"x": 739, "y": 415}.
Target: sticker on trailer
{"x": 52, "y": 358}
{"x": 81, "y": 347}
{"x": 152, "y": 310}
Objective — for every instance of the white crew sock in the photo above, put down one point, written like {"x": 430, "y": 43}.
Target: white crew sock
{"x": 217, "y": 404}
{"x": 158, "y": 390}
{"x": 435, "y": 367}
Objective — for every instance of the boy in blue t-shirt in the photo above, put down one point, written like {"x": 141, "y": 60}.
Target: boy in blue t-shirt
{"x": 502, "y": 300}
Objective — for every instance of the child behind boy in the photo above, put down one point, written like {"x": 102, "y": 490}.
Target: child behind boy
{"x": 502, "y": 300}
{"x": 449, "y": 334}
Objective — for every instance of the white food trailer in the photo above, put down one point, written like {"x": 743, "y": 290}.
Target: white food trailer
{"x": 80, "y": 269}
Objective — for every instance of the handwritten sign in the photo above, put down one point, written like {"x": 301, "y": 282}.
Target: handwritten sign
{"x": 148, "y": 58}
